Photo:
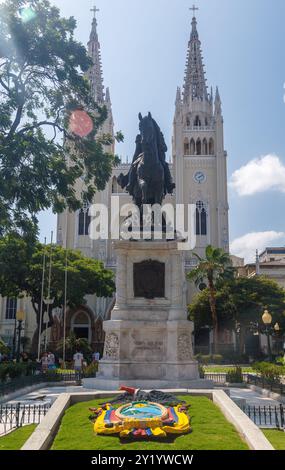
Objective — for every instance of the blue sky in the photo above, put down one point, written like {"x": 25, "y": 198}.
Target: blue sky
{"x": 144, "y": 46}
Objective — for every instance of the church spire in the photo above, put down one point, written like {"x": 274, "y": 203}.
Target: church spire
{"x": 195, "y": 87}
{"x": 95, "y": 73}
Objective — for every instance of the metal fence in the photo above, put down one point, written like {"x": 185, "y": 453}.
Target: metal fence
{"x": 273, "y": 386}
{"x": 220, "y": 378}
{"x": 266, "y": 416}
{"x": 14, "y": 416}
{"x": 16, "y": 384}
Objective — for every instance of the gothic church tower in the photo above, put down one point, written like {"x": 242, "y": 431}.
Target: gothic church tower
{"x": 199, "y": 158}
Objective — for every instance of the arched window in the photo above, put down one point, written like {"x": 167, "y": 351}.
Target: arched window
{"x": 192, "y": 147}
{"x": 199, "y": 147}
{"x": 205, "y": 147}
{"x": 186, "y": 146}
{"x": 188, "y": 123}
{"x": 201, "y": 219}
{"x": 84, "y": 220}
{"x": 206, "y": 122}
{"x": 211, "y": 147}
{"x": 197, "y": 122}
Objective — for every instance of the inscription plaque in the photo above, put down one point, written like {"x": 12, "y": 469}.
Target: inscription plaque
{"x": 149, "y": 279}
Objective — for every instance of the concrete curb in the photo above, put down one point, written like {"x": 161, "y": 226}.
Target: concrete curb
{"x": 44, "y": 434}
{"x": 255, "y": 438}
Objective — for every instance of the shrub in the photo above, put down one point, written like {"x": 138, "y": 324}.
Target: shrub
{"x": 235, "y": 375}
{"x": 268, "y": 371}
{"x": 209, "y": 359}
{"x": 3, "y": 348}
{"x": 201, "y": 371}
{"x": 217, "y": 358}
{"x": 90, "y": 371}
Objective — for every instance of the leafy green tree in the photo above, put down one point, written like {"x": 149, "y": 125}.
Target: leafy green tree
{"x": 213, "y": 266}
{"x": 43, "y": 85}
{"x": 21, "y": 268}
{"x": 73, "y": 344}
{"x": 240, "y": 301}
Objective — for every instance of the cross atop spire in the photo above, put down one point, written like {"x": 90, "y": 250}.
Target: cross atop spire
{"x": 194, "y": 8}
{"x": 95, "y": 73}
{"x": 94, "y": 10}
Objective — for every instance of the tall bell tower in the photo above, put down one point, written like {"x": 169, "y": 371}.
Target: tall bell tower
{"x": 199, "y": 158}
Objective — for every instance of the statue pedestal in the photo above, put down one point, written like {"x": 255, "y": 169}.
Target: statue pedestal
{"x": 148, "y": 339}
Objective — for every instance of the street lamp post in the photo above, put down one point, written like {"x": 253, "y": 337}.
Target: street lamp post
{"x": 20, "y": 316}
{"x": 267, "y": 320}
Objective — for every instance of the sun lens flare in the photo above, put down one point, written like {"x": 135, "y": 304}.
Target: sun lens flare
{"x": 27, "y": 13}
{"x": 80, "y": 123}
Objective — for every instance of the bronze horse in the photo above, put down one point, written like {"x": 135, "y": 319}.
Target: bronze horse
{"x": 149, "y": 178}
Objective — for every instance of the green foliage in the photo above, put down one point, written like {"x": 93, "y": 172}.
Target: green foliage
{"x": 210, "y": 431}
{"x": 209, "y": 358}
{"x": 281, "y": 360}
{"x": 215, "y": 265}
{"x": 3, "y": 348}
{"x": 235, "y": 375}
{"x": 240, "y": 300}
{"x": 91, "y": 370}
{"x": 42, "y": 82}
{"x": 201, "y": 371}
{"x": 12, "y": 370}
{"x": 21, "y": 264}
{"x": 74, "y": 344}
{"x": 268, "y": 371}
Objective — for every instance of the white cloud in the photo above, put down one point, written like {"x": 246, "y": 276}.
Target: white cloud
{"x": 246, "y": 246}
{"x": 259, "y": 175}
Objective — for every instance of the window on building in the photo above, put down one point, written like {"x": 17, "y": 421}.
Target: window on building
{"x": 199, "y": 147}
{"x": 84, "y": 220}
{"x": 201, "y": 219}
{"x": 11, "y": 309}
{"x": 197, "y": 122}
{"x": 186, "y": 147}
{"x": 205, "y": 147}
{"x": 211, "y": 147}
{"x": 192, "y": 147}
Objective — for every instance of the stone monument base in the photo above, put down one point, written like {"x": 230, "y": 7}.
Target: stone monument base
{"x": 148, "y": 341}
{"x": 146, "y": 384}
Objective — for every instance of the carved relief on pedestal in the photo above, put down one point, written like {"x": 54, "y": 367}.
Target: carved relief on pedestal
{"x": 112, "y": 346}
{"x": 184, "y": 347}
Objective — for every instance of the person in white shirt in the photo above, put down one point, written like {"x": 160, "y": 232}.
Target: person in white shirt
{"x": 78, "y": 360}
{"x": 51, "y": 360}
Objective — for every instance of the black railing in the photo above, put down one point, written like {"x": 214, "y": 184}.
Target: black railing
{"x": 13, "y": 416}
{"x": 272, "y": 385}
{"x": 16, "y": 384}
{"x": 266, "y": 416}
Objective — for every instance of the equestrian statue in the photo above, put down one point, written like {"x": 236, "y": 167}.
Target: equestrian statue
{"x": 149, "y": 178}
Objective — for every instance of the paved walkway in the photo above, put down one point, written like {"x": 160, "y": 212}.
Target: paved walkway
{"x": 252, "y": 397}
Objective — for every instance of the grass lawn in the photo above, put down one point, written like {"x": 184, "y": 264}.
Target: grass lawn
{"x": 16, "y": 439}
{"x": 225, "y": 369}
{"x": 210, "y": 431}
{"x": 276, "y": 437}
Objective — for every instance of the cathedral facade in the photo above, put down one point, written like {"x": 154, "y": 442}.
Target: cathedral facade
{"x": 199, "y": 169}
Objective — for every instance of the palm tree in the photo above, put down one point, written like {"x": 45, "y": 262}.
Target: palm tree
{"x": 215, "y": 264}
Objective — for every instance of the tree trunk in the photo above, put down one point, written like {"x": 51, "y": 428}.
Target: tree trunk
{"x": 35, "y": 340}
{"x": 212, "y": 300}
